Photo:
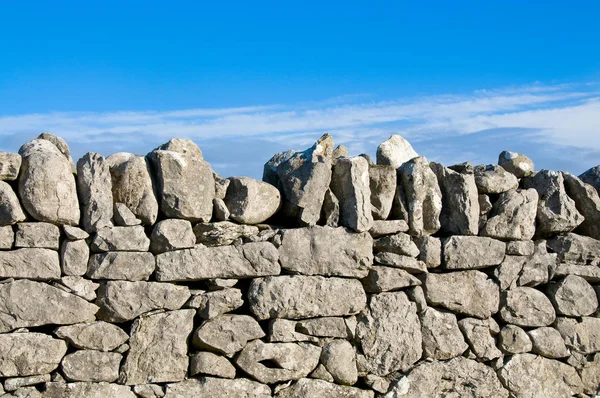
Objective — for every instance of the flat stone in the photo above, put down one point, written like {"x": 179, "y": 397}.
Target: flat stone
{"x": 172, "y": 234}
{"x": 493, "y": 179}
{"x": 395, "y": 151}
{"x": 227, "y": 334}
{"x": 382, "y": 183}
{"x": 128, "y": 266}
{"x": 87, "y": 390}
{"x": 132, "y": 239}
{"x": 351, "y": 186}
{"x": 15, "y": 383}
{"x": 592, "y": 177}
{"x": 212, "y": 304}
{"x": 409, "y": 264}
{"x": 326, "y": 251}
{"x": 297, "y": 297}
{"x": 28, "y": 354}
{"x": 548, "y": 342}
{"x": 222, "y": 233}
{"x": 74, "y": 233}
{"x": 575, "y": 248}
{"x": 399, "y": 243}
{"x": 7, "y": 237}
{"x": 79, "y": 286}
{"x": 94, "y": 187}
{"x": 514, "y": 340}
{"x": 384, "y": 279}
{"x": 587, "y": 272}
{"x": 324, "y": 327}
{"x": 513, "y": 216}
{"x": 587, "y": 202}
{"x": 149, "y": 391}
{"x": 37, "y": 234}
{"x": 158, "y": 348}
{"x": 250, "y": 201}
{"x": 91, "y": 365}
{"x": 99, "y": 335}
{"x": 205, "y": 362}
{"x": 520, "y": 248}
{"x": 36, "y": 264}
{"x": 582, "y": 335}
{"x": 307, "y": 388}
{"x": 122, "y": 301}
{"x": 573, "y": 296}
{"x": 472, "y": 252}
{"x": 74, "y": 257}
{"x": 442, "y": 339}
{"x": 246, "y": 261}
{"x": 387, "y": 227}
{"x": 10, "y": 164}
{"x": 218, "y": 388}
{"x": 480, "y": 333}
{"x": 11, "y": 211}
{"x": 124, "y": 217}
{"x": 526, "y": 307}
{"x": 516, "y": 163}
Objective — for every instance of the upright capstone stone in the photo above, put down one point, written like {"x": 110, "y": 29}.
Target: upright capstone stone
{"x": 46, "y": 185}
{"x": 95, "y": 192}
{"x": 382, "y": 181}
{"x": 592, "y": 177}
{"x": 395, "y": 151}
{"x": 350, "y": 184}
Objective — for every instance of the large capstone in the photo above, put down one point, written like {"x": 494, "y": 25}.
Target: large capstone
{"x": 94, "y": 187}
{"x": 250, "y": 201}
{"x": 395, "y": 151}
{"x": 493, "y": 179}
{"x": 516, "y": 163}
{"x": 350, "y": 185}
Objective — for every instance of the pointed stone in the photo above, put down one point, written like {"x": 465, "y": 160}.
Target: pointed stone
{"x": 123, "y": 216}
{"x": 592, "y": 177}
{"x": 587, "y": 202}
{"x": 94, "y": 187}
{"x": 382, "y": 182}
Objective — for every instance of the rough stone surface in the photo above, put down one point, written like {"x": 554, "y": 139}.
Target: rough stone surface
{"x": 28, "y": 354}
{"x": 514, "y": 340}
{"x": 124, "y": 217}
{"x": 548, "y": 342}
{"x": 94, "y": 187}
{"x": 573, "y": 296}
{"x": 37, "y": 234}
{"x": 350, "y": 185}
{"x": 10, "y": 164}
{"x": 250, "y": 201}
{"x": 212, "y": 304}
{"x": 87, "y": 390}
{"x": 101, "y": 336}
{"x": 526, "y": 307}
{"x": 222, "y": 233}
{"x": 442, "y": 339}
{"x": 227, "y": 334}
{"x": 218, "y": 388}
{"x": 172, "y": 234}
{"x": 74, "y": 233}
{"x": 339, "y": 358}
{"x": 91, "y": 365}
{"x": 330, "y": 212}
{"x": 7, "y": 237}
{"x": 399, "y": 243}
{"x": 120, "y": 239}
{"x": 11, "y": 211}
{"x": 592, "y": 177}
{"x": 387, "y": 227}
{"x": 384, "y": 279}
{"x": 74, "y": 257}
{"x": 409, "y": 264}
{"x": 430, "y": 251}
{"x": 472, "y": 252}
{"x": 516, "y": 163}
{"x": 573, "y": 248}
{"x": 395, "y": 151}
{"x": 382, "y": 182}
{"x": 513, "y": 216}
{"x": 128, "y": 266}
{"x": 582, "y": 335}
{"x": 520, "y": 248}
{"x": 480, "y": 333}
{"x": 36, "y": 264}
{"x": 306, "y": 388}
{"x": 205, "y": 362}
{"x": 587, "y": 202}
{"x": 493, "y": 179}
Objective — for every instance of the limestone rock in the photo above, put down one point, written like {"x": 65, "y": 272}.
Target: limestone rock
{"x": 212, "y": 304}
{"x": 27, "y": 354}
{"x": 307, "y": 388}
{"x": 37, "y": 234}
{"x": 94, "y": 187}
{"x": 339, "y": 358}
{"x": 11, "y": 211}
{"x": 513, "y": 216}
{"x": 227, "y": 334}
{"x": 222, "y": 233}
{"x": 91, "y": 365}
{"x": 250, "y": 201}
{"x": 395, "y": 151}
{"x": 514, "y": 340}
{"x": 270, "y": 168}
{"x": 297, "y": 297}
{"x": 467, "y": 292}
{"x": 548, "y": 342}
{"x": 36, "y": 264}
{"x": 582, "y": 335}
{"x": 383, "y": 279}
{"x": 525, "y": 270}
{"x": 79, "y": 286}
{"x": 423, "y": 196}
{"x": 220, "y": 210}
{"x": 330, "y": 212}
{"x": 321, "y": 373}
{"x": 122, "y": 301}
{"x": 16, "y": 383}
{"x": 74, "y": 257}
{"x": 172, "y": 234}
{"x": 485, "y": 206}
{"x": 573, "y": 248}
{"x": 472, "y": 252}
{"x": 480, "y": 335}
{"x": 520, "y": 248}
{"x": 97, "y": 335}
{"x": 218, "y": 388}
{"x": 399, "y": 243}
{"x": 246, "y": 261}
{"x": 292, "y": 360}
{"x": 46, "y": 185}
{"x": 408, "y": 264}
{"x": 350, "y": 184}
{"x": 10, "y": 164}
{"x": 61, "y": 145}
{"x": 442, "y": 339}
{"x": 573, "y": 296}
{"x": 590, "y": 376}
{"x": 149, "y": 391}
{"x": 389, "y": 332}
{"x": 430, "y": 251}
{"x": 387, "y": 227}
{"x": 204, "y": 362}
{"x": 74, "y": 233}
{"x": 589, "y": 273}
{"x": 516, "y": 163}
{"x": 7, "y": 237}
{"x": 284, "y": 331}
{"x": 526, "y": 307}
{"x": 158, "y": 348}
{"x": 326, "y": 251}
{"x": 87, "y": 390}
{"x": 382, "y": 182}
{"x": 587, "y": 202}
{"x": 325, "y": 327}
{"x": 123, "y": 216}
{"x": 493, "y": 179}
{"x": 128, "y": 266}
{"x": 120, "y": 239}
{"x": 592, "y": 177}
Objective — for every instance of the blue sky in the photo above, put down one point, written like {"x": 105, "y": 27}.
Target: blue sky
{"x": 460, "y": 80}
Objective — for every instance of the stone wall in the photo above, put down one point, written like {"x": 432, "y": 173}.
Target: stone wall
{"x": 152, "y": 276}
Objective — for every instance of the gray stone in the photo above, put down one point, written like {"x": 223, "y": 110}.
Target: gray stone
{"x": 587, "y": 202}
{"x": 74, "y": 257}
{"x": 582, "y": 334}
{"x": 573, "y": 248}
{"x": 395, "y": 151}
{"x": 218, "y": 388}
{"x": 28, "y": 354}
{"x": 399, "y": 243}
{"x": 250, "y": 201}
{"x": 308, "y": 388}
{"x": 10, "y": 164}
{"x": 528, "y": 375}
{"x": 24, "y": 303}
{"x": 246, "y": 261}
{"x": 220, "y": 210}
{"x": 330, "y": 212}
{"x": 573, "y": 296}
{"x": 460, "y": 201}
{"x": 493, "y": 179}
{"x": 133, "y": 185}
{"x": 87, "y": 390}
{"x": 326, "y": 251}
{"x": 79, "y": 286}
{"x": 520, "y": 248}
{"x": 382, "y": 183}
{"x": 123, "y": 216}
{"x": 284, "y": 331}
{"x": 7, "y": 237}
{"x": 423, "y": 196}
{"x": 128, "y": 266}
{"x": 389, "y": 332}
{"x": 11, "y": 211}
{"x": 516, "y": 163}
{"x": 485, "y": 206}
{"x": 36, "y": 264}
{"x": 548, "y": 342}
{"x": 172, "y": 234}
{"x": 91, "y": 365}
{"x": 526, "y": 307}
{"x": 97, "y": 335}
{"x": 37, "y": 234}
{"x": 383, "y": 279}
{"x": 74, "y": 233}
{"x": 212, "y": 304}
{"x": 324, "y": 327}
{"x": 94, "y": 187}
{"x": 466, "y": 292}
{"x": 61, "y": 145}
{"x": 149, "y": 391}
{"x": 472, "y": 252}
{"x": 297, "y": 297}
{"x": 590, "y": 376}
{"x": 589, "y": 273}
{"x": 480, "y": 333}
{"x": 19, "y": 382}
{"x": 321, "y": 373}
{"x": 430, "y": 251}
{"x": 524, "y": 270}
{"x": 513, "y": 216}
{"x": 270, "y": 168}
{"x": 387, "y": 227}
{"x": 409, "y": 264}
{"x": 339, "y": 358}
{"x": 122, "y": 301}
{"x": 293, "y": 360}
{"x": 204, "y": 362}
{"x": 514, "y": 340}
{"x": 222, "y": 233}
{"x": 158, "y": 348}
{"x": 131, "y": 239}
{"x": 46, "y": 184}
{"x": 442, "y": 338}
{"x": 592, "y": 177}
{"x": 227, "y": 334}
{"x": 340, "y": 151}
{"x": 350, "y": 185}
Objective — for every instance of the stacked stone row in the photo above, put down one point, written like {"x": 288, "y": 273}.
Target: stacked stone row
{"x": 151, "y": 276}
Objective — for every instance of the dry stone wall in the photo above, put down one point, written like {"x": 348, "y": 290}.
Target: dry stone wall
{"x": 152, "y": 276}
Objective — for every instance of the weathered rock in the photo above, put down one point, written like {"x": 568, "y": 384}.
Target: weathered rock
{"x": 122, "y": 301}
{"x": 293, "y": 360}
{"x": 423, "y": 196}
{"x": 222, "y": 233}
{"x": 7, "y": 237}
{"x": 158, "y": 348}
{"x": 493, "y": 179}
{"x": 330, "y": 212}
{"x": 399, "y": 243}
{"x": 321, "y": 373}
{"x": 46, "y": 185}
{"x": 326, "y": 251}
{"x": 307, "y": 388}
{"x": 204, "y": 362}
{"x": 94, "y": 187}
{"x": 514, "y": 340}
{"x": 395, "y": 151}
{"x": 582, "y": 335}
{"x": 387, "y": 227}
{"x": 480, "y": 333}
{"x": 466, "y": 292}
{"x": 383, "y": 279}
{"x": 124, "y": 217}
{"x": 525, "y": 270}
{"x": 339, "y": 358}
{"x": 27, "y": 354}
{"x": 325, "y": 327}
{"x": 79, "y": 286}
{"x": 297, "y": 297}
{"x": 430, "y": 251}
{"x": 382, "y": 183}
{"x": 587, "y": 202}
{"x": 218, "y": 388}
{"x": 557, "y": 212}
{"x": 91, "y": 365}
{"x": 548, "y": 342}
{"x": 11, "y": 211}
{"x": 61, "y": 145}
{"x": 513, "y": 216}
{"x": 592, "y": 177}
{"x": 120, "y": 239}
{"x": 227, "y": 334}
{"x": 409, "y": 264}
{"x": 460, "y": 201}
{"x": 284, "y": 331}
{"x": 270, "y": 168}
{"x": 87, "y": 390}
{"x": 37, "y": 234}
{"x": 516, "y": 163}
{"x": 250, "y": 201}
{"x": 172, "y": 234}
{"x": 442, "y": 338}
{"x": 575, "y": 248}
{"x": 520, "y": 248}
{"x": 528, "y": 375}
{"x": 220, "y": 210}
{"x": 133, "y": 185}
{"x": 472, "y": 252}
{"x": 36, "y": 264}
{"x": 19, "y": 382}
{"x": 74, "y": 233}
{"x": 128, "y": 266}
{"x": 389, "y": 332}
{"x": 485, "y": 206}
{"x": 350, "y": 184}
{"x": 97, "y": 335}
{"x": 74, "y": 257}
{"x": 212, "y": 304}
{"x": 589, "y": 273}
{"x": 246, "y": 261}
{"x": 526, "y": 307}
{"x": 340, "y": 151}
{"x": 573, "y": 296}
{"x": 399, "y": 206}
{"x": 149, "y": 391}
{"x": 24, "y": 303}
{"x": 459, "y": 377}
{"x": 10, "y": 164}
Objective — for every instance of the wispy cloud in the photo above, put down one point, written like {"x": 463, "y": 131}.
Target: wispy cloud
{"x": 538, "y": 118}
